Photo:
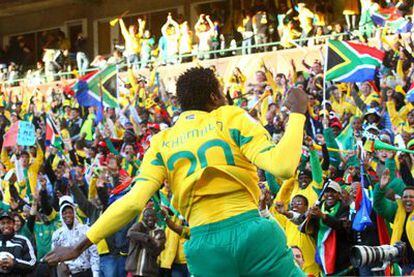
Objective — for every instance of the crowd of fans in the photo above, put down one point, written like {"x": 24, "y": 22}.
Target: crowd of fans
{"x": 50, "y": 194}
{"x": 180, "y": 42}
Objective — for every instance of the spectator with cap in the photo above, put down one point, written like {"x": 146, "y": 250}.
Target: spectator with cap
{"x": 17, "y": 257}
{"x": 334, "y": 123}
{"x": 329, "y": 217}
{"x": 373, "y": 117}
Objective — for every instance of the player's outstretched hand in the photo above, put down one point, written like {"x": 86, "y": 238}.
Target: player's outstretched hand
{"x": 297, "y": 101}
{"x": 61, "y": 254}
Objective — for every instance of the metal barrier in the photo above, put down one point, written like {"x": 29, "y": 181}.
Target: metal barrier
{"x": 178, "y": 57}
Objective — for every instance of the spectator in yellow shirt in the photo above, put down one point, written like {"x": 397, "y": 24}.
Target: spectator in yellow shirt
{"x": 132, "y": 37}
{"x": 339, "y": 104}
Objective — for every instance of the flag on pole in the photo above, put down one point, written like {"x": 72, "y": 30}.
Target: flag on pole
{"x": 53, "y": 137}
{"x": 352, "y": 62}
{"x": 100, "y": 109}
{"x": 88, "y": 88}
{"x": 389, "y": 17}
{"x": 384, "y": 15}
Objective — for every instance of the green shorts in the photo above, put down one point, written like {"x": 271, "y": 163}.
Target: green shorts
{"x": 243, "y": 245}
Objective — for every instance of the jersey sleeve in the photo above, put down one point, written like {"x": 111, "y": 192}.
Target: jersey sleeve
{"x": 282, "y": 159}
{"x": 149, "y": 180}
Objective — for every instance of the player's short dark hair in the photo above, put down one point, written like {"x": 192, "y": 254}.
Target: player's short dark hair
{"x": 194, "y": 88}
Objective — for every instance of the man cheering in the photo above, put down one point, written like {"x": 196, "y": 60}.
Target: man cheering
{"x": 209, "y": 159}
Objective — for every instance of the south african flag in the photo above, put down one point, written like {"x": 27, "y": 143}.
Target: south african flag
{"x": 352, "y": 62}
{"x": 53, "y": 137}
{"x": 97, "y": 87}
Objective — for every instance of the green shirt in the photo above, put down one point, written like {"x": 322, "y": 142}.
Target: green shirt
{"x": 43, "y": 234}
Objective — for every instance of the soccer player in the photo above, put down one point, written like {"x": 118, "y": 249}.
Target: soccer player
{"x": 209, "y": 159}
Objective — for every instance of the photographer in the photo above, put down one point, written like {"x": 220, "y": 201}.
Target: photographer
{"x": 17, "y": 256}
{"x": 400, "y": 213}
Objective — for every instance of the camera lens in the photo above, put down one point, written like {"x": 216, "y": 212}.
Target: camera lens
{"x": 356, "y": 257}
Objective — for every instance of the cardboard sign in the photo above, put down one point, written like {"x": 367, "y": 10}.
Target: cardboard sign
{"x": 27, "y": 134}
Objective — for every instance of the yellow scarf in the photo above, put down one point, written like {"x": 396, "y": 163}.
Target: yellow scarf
{"x": 398, "y": 225}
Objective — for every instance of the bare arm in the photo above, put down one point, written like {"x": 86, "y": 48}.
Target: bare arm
{"x": 141, "y": 27}
{"x": 124, "y": 30}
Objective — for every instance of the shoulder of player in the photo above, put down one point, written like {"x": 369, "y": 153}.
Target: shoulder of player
{"x": 232, "y": 115}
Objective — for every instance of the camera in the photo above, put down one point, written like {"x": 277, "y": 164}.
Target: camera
{"x": 377, "y": 256}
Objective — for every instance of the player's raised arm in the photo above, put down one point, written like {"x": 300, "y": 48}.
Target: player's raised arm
{"x": 283, "y": 158}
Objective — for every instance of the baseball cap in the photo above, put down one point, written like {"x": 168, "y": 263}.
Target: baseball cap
{"x": 6, "y": 215}
{"x": 335, "y": 186}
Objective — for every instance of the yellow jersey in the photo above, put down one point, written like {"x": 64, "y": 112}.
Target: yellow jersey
{"x": 210, "y": 161}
